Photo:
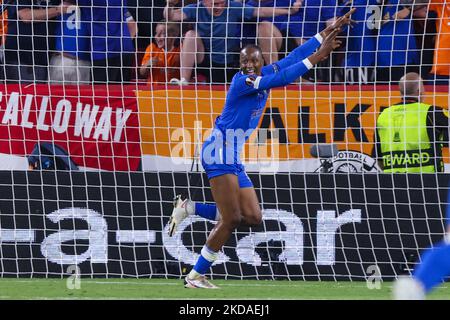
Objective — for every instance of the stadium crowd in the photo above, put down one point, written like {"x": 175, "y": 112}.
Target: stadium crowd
{"x": 185, "y": 41}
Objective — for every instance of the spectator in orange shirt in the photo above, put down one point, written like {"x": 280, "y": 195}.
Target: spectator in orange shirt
{"x": 161, "y": 61}
{"x": 441, "y": 59}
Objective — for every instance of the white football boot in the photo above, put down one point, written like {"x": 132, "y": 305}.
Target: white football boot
{"x": 407, "y": 288}
{"x": 179, "y": 213}
{"x": 200, "y": 282}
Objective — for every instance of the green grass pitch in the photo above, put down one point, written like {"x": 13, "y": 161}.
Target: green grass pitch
{"x": 173, "y": 289}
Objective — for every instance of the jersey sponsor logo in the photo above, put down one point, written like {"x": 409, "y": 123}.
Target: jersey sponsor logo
{"x": 275, "y": 68}
{"x": 253, "y": 81}
{"x": 250, "y": 81}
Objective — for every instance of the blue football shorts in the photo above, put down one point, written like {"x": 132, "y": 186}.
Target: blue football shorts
{"x": 219, "y": 167}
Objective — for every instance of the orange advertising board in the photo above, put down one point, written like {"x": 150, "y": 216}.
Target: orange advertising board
{"x": 302, "y": 116}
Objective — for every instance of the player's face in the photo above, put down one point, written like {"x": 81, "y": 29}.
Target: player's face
{"x": 251, "y": 61}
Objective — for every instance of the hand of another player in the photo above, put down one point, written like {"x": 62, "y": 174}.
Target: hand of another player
{"x": 296, "y": 6}
{"x": 386, "y": 19}
{"x": 64, "y": 7}
{"x": 402, "y": 14}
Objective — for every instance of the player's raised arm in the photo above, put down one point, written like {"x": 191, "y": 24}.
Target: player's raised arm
{"x": 306, "y": 49}
{"x": 329, "y": 44}
{"x": 251, "y": 60}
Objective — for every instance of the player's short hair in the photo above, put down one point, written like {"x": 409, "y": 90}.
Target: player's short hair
{"x": 252, "y": 46}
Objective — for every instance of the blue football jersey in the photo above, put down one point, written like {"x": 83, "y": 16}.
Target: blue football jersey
{"x": 247, "y": 95}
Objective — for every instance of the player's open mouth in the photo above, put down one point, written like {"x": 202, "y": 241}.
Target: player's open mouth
{"x": 250, "y": 71}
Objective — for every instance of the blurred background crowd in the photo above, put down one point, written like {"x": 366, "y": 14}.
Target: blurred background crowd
{"x": 180, "y": 42}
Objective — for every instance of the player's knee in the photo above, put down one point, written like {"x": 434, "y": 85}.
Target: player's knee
{"x": 258, "y": 218}
{"x": 233, "y": 221}
{"x": 255, "y": 218}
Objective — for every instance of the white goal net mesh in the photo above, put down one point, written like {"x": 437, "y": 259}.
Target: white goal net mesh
{"x": 105, "y": 104}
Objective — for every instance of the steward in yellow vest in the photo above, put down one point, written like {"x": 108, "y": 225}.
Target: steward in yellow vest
{"x": 410, "y": 135}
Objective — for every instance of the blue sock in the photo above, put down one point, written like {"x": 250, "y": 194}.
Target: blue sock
{"x": 435, "y": 266}
{"x": 207, "y": 211}
{"x": 205, "y": 261}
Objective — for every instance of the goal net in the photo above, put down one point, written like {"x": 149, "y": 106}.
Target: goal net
{"x": 105, "y": 104}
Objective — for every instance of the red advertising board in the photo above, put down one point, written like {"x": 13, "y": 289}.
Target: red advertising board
{"x": 97, "y": 125}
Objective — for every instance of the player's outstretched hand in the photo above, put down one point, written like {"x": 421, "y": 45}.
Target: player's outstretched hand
{"x": 329, "y": 44}
{"x": 339, "y": 23}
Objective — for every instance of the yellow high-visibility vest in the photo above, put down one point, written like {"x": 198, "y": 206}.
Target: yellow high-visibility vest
{"x": 404, "y": 141}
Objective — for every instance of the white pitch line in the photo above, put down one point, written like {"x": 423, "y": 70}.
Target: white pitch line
{"x": 122, "y": 298}
{"x": 76, "y": 298}
{"x": 303, "y": 284}
{"x": 106, "y": 282}
{"x": 144, "y": 282}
